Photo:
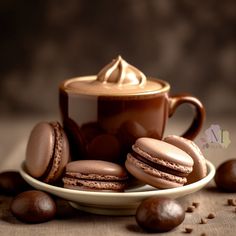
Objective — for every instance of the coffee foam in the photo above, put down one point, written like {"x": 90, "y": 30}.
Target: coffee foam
{"x": 89, "y": 85}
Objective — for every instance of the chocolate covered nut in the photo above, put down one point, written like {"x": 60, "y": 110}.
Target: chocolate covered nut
{"x": 104, "y": 147}
{"x": 90, "y": 130}
{"x": 33, "y": 207}
{"x": 225, "y": 177}
{"x": 159, "y": 214}
{"x": 11, "y": 183}
{"x": 129, "y": 132}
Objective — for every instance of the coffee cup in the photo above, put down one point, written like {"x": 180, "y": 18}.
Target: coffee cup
{"x": 104, "y": 114}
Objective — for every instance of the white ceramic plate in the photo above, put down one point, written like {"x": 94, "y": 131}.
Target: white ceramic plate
{"x": 109, "y": 203}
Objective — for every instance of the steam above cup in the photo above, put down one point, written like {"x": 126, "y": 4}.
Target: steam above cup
{"x": 104, "y": 114}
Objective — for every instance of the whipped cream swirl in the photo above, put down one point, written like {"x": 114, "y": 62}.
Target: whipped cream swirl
{"x": 121, "y": 73}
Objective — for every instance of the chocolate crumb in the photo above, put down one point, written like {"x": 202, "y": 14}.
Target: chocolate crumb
{"x": 188, "y": 230}
{"x": 190, "y": 209}
{"x": 203, "y": 234}
{"x": 203, "y": 221}
{"x": 231, "y": 202}
{"x": 211, "y": 216}
{"x": 235, "y": 209}
{"x": 196, "y": 204}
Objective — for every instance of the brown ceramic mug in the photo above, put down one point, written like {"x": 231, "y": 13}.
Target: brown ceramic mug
{"x": 104, "y": 125}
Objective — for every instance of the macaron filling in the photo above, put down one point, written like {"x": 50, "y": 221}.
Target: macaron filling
{"x": 94, "y": 182}
{"x": 160, "y": 167}
{"x": 168, "y": 164}
{"x": 155, "y": 172}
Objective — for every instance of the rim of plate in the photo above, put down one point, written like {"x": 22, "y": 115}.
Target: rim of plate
{"x": 210, "y": 169}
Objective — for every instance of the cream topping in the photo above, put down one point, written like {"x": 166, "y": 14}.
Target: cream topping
{"x": 121, "y": 73}
{"x": 118, "y": 78}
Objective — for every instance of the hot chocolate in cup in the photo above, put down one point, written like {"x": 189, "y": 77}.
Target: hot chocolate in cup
{"x": 104, "y": 114}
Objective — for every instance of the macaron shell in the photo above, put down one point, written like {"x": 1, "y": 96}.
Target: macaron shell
{"x": 162, "y": 151}
{"x": 39, "y": 149}
{"x": 96, "y": 167}
{"x": 149, "y": 175}
{"x": 199, "y": 167}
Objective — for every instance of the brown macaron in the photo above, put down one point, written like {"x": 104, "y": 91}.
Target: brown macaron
{"x": 47, "y": 152}
{"x": 158, "y": 163}
{"x": 199, "y": 166}
{"x": 95, "y": 175}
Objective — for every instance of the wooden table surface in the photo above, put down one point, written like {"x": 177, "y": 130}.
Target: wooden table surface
{"x": 13, "y": 137}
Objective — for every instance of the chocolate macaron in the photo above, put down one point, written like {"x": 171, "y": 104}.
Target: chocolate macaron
{"x": 47, "y": 152}
{"x": 95, "y": 175}
{"x": 158, "y": 163}
{"x": 199, "y": 166}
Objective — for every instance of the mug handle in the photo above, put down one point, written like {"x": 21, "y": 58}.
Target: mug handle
{"x": 195, "y": 127}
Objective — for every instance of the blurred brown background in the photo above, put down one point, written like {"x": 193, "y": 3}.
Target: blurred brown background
{"x": 191, "y": 44}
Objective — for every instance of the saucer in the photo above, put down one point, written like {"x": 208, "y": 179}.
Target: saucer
{"x": 116, "y": 203}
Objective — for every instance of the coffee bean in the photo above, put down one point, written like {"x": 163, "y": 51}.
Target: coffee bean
{"x": 203, "y": 221}
{"x": 196, "y": 204}
{"x": 231, "y": 202}
{"x": 211, "y": 216}
{"x": 159, "y": 214}
{"x": 190, "y": 209}
{"x": 33, "y": 207}
{"x": 188, "y": 230}
{"x": 11, "y": 183}
{"x": 225, "y": 176}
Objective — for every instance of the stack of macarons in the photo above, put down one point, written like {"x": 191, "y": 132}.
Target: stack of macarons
{"x": 168, "y": 163}
{"x": 48, "y": 160}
